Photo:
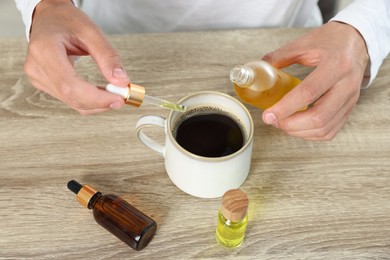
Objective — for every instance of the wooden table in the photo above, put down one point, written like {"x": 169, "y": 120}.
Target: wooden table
{"x": 311, "y": 200}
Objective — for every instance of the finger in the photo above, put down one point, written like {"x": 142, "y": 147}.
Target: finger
{"x": 323, "y": 134}
{"x": 282, "y": 57}
{"x": 293, "y": 53}
{"x": 63, "y": 83}
{"x": 308, "y": 91}
{"x": 303, "y": 50}
{"x": 322, "y": 111}
{"x": 106, "y": 57}
{"x": 43, "y": 83}
{"x": 320, "y": 129}
{"x": 39, "y": 84}
{"x": 37, "y": 78}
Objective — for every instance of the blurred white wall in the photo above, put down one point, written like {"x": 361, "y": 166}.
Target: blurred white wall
{"x": 11, "y": 24}
{"x": 344, "y": 3}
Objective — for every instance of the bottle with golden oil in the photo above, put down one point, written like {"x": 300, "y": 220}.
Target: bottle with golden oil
{"x": 232, "y": 218}
{"x": 260, "y": 84}
{"x": 116, "y": 215}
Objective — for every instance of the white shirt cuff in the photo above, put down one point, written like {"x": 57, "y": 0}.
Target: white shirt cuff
{"x": 27, "y": 7}
{"x": 372, "y": 20}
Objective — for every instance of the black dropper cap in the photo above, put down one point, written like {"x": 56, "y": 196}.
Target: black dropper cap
{"x": 74, "y": 186}
{"x": 86, "y": 194}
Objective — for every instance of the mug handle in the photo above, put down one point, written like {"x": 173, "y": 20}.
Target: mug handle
{"x": 148, "y": 121}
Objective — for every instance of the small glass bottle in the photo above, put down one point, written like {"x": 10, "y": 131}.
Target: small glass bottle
{"x": 116, "y": 215}
{"x": 260, "y": 84}
{"x": 232, "y": 218}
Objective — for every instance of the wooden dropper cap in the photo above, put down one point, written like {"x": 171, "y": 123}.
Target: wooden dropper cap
{"x": 234, "y": 205}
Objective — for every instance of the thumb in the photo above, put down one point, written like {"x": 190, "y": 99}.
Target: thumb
{"x": 280, "y": 58}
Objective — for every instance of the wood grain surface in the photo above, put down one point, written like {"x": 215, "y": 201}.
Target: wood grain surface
{"x": 308, "y": 200}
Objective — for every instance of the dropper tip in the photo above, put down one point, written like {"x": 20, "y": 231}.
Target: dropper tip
{"x": 174, "y": 106}
{"x": 182, "y": 108}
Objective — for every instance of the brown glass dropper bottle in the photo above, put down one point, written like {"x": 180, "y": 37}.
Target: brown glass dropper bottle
{"x": 116, "y": 215}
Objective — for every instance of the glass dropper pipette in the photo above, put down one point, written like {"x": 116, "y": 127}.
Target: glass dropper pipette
{"x": 135, "y": 95}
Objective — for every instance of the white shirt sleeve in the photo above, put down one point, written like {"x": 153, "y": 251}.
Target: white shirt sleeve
{"x": 26, "y": 8}
{"x": 372, "y": 19}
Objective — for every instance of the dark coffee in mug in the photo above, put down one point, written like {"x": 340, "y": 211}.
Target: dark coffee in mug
{"x": 209, "y": 132}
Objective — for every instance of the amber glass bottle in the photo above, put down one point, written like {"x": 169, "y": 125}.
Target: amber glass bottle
{"x": 116, "y": 215}
{"x": 260, "y": 84}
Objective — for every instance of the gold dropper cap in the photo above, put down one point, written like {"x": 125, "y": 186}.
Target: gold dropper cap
{"x": 84, "y": 193}
{"x": 133, "y": 94}
{"x": 234, "y": 205}
{"x": 136, "y": 95}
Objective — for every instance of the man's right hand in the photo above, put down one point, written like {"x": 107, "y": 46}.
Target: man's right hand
{"x": 59, "y": 32}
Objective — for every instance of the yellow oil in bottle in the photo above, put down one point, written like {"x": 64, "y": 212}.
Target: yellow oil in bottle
{"x": 230, "y": 233}
{"x": 260, "y": 84}
{"x": 232, "y": 218}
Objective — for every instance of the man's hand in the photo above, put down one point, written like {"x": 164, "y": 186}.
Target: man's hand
{"x": 59, "y": 32}
{"x": 340, "y": 56}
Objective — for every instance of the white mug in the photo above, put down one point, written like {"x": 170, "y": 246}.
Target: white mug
{"x": 205, "y": 177}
